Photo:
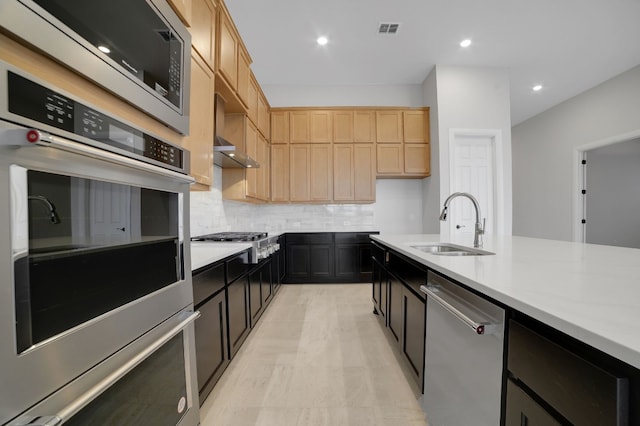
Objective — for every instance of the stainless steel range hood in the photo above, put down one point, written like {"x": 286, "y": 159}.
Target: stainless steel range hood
{"x": 225, "y": 153}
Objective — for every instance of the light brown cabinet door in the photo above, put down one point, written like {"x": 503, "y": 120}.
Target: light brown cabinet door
{"x": 279, "y": 127}
{"x": 183, "y": 9}
{"x": 389, "y": 126}
{"x": 343, "y": 172}
{"x": 354, "y": 172}
{"x": 227, "y": 49}
{"x": 263, "y": 115}
{"x": 364, "y": 126}
{"x": 321, "y": 172}
{"x": 253, "y": 151}
{"x": 244, "y": 76}
{"x": 417, "y": 159}
{"x": 252, "y": 99}
{"x": 342, "y": 126}
{"x": 264, "y": 170}
{"x": 299, "y": 126}
{"x": 416, "y": 126}
{"x": 390, "y": 160}
{"x": 364, "y": 166}
{"x": 299, "y": 172}
{"x": 200, "y": 139}
{"x": 203, "y": 30}
{"x": 279, "y": 173}
{"x": 320, "y": 126}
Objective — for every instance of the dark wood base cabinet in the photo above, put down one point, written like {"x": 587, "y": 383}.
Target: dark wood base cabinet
{"x": 328, "y": 257}
{"x": 556, "y": 380}
{"x": 260, "y": 289}
{"x": 238, "y": 313}
{"x": 402, "y": 308}
{"x": 212, "y": 356}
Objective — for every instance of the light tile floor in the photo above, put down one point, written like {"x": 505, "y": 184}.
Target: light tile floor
{"x": 318, "y": 356}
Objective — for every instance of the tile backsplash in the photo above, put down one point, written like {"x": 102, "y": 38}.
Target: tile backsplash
{"x": 210, "y": 213}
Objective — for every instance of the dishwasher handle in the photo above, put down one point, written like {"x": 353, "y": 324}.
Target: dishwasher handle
{"x": 480, "y": 328}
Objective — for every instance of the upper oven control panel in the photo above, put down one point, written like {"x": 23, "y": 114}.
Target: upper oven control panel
{"x": 32, "y": 101}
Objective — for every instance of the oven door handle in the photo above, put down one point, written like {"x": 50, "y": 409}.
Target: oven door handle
{"x": 67, "y": 412}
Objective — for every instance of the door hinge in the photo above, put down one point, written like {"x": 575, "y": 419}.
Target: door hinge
{"x": 584, "y": 191}
{"x": 583, "y": 162}
{"x": 584, "y": 221}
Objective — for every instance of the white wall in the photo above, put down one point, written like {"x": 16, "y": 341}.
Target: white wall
{"x": 398, "y": 209}
{"x": 613, "y": 194}
{"x": 470, "y": 98}
{"x": 545, "y": 147}
{"x": 431, "y": 187}
{"x": 301, "y": 96}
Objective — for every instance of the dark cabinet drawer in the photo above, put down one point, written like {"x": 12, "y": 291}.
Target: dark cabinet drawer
{"x": 310, "y": 238}
{"x": 237, "y": 266}
{"x": 207, "y": 282}
{"x": 580, "y": 391}
{"x": 412, "y": 275}
{"x": 523, "y": 410}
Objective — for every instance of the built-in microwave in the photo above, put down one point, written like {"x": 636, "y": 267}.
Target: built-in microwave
{"x": 137, "y": 49}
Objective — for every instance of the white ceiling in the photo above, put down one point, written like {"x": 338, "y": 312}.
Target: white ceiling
{"x": 568, "y": 46}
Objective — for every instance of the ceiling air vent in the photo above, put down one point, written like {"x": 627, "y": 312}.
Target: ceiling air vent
{"x": 388, "y": 28}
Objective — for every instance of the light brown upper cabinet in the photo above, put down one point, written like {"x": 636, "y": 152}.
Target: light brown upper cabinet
{"x": 364, "y": 126}
{"x": 354, "y": 173}
{"x": 310, "y": 126}
{"x": 416, "y": 126}
{"x": 343, "y": 126}
{"x": 244, "y": 76}
{"x": 252, "y": 99}
{"x": 227, "y": 58}
{"x": 263, "y": 115}
{"x": 298, "y": 126}
{"x": 389, "y": 126}
{"x": 203, "y": 30}
{"x": 280, "y": 179}
{"x": 182, "y": 9}
{"x": 200, "y": 139}
{"x": 390, "y": 159}
{"x": 417, "y": 158}
{"x": 279, "y": 127}
{"x": 311, "y": 173}
{"x": 299, "y": 172}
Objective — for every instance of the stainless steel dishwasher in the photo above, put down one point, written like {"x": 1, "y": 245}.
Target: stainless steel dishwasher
{"x": 463, "y": 356}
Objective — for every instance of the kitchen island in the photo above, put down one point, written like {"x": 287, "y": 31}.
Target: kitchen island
{"x": 571, "y": 336}
{"x": 587, "y": 291}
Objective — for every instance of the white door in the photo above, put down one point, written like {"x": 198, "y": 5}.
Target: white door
{"x": 110, "y": 206}
{"x": 472, "y": 171}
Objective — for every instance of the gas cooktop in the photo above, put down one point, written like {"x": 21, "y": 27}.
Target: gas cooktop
{"x": 231, "y": 236}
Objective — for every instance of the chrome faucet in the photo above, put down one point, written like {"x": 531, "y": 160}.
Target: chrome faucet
{"x": 477, "y": 237}
{"x": 53, "y": 215}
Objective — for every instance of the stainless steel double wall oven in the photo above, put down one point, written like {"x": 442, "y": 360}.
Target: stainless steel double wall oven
{"x": 96, "y": 303}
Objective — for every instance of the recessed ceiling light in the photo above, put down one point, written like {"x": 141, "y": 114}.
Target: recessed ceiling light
{"x": 104, "y": 49}
{"x": 465, "y": 43}
{"x": 322, "y": 40}
{"x": 537, "y": 88}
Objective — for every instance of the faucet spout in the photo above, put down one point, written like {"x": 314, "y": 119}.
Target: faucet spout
{"x": 479, "y": 228}
{"x": 53, "y": 214}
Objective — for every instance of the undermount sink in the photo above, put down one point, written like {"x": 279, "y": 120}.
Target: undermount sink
{"x": 447, "y": 249}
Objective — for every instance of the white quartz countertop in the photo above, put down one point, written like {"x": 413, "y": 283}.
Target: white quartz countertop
{"x": 205, "y": 253}
{"x": 590, "y": 292}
